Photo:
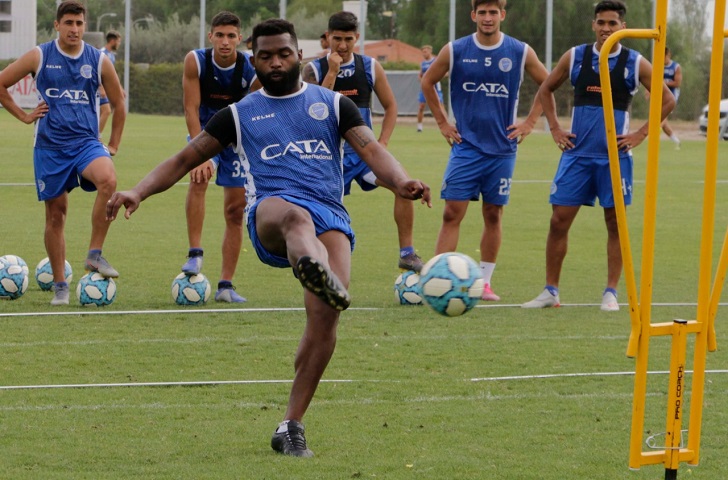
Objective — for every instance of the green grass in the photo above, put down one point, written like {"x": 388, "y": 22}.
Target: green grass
{"x": 411, "y": 409}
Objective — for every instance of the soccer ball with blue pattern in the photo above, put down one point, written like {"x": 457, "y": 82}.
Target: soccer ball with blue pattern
{"x": 95, "y": 290}
{"x": 14, "y": 260}
{"x": 451, "y": 283}
{"x": 191, "y": 289}
{"x": 44, "y": 274}
{"x": 13, "y": 280}
{"x": 407, "y": 289}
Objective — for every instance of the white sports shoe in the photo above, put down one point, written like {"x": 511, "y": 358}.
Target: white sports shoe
{"x": 609, "y": 302}
{"x": 545, "y": 300}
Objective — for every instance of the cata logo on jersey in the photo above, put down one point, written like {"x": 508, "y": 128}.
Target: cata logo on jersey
{"x": 490, "y": 89}
{"x": 75, "y": 96}
{"x": 304, "y": 149}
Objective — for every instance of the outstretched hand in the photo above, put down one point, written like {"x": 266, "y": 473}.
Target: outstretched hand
{"x": 129, "y": 199}
{"x": 416, "y": 190}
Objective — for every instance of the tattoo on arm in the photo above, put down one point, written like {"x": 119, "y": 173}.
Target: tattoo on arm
{"x": 360, "y": 136}
{"x": 308, "y": 75}
{"x": 205, "y": 146}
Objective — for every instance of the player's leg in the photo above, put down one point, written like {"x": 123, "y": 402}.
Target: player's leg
{"x": 670, "y": 133}
{"x": 614, "y": 261}
{"x": 452, "y": 216}
{"x": 557, "y": 242}
{"x": 420, "y": 116}
{"x": 316, "y": 347}
{"x": 195, "y": 215}
{"x": 104, "y": 113}
{"x": 56, "y": 210}
{"x": 490, "y": 243}
{"x": 404, "y": 218}
{"x": 101, "y": 173}
{"x": 232, "y": 241}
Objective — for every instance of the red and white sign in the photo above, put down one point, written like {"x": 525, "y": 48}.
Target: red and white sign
{"x": 24, "y": 93}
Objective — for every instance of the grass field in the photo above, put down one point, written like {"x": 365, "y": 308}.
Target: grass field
{"x": 409, "y": 394}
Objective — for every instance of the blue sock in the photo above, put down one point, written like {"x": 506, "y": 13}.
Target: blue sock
{"x": 61, "y": 284}
{"x": 610, "y": 290}
{"x": 403, "y": 252}
{"x": 94, "y": 253}
{"x": 552, "y": 290}
{"x": 195, "y": 252}
{"x": 224, "y": 284}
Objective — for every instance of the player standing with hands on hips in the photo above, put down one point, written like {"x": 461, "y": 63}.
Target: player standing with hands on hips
{"x": 486, "y": 70}
{"x": 290, "y": 134}
{"x": 583, "y": 174}
{"x": 67, "y": 152}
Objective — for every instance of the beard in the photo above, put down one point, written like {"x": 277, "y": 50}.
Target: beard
{"x": 281, "y": 82}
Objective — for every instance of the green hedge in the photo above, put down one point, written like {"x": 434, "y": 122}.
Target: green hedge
{"x": 154, "y": 89}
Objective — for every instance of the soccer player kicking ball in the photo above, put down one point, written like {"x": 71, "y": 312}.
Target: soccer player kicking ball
{"x": 296, "y": 217}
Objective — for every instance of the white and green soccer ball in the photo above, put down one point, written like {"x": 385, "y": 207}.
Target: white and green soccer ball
{"x": 451, "y": 283}
{"x": 44, "y": 274}
{"x": 95, "y": 290}
{"x": 191, "y": 289}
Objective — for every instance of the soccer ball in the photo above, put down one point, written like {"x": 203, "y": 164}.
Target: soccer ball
{"x": 95, "y": 290}
{"x": 44, "y": 274}
{"x": 191, "y": 289}
{"x": 13, "y": 280}
{"x": 407, "y": 289}
{"x": 14, "y": 260}
{"x": 451, "y": 283}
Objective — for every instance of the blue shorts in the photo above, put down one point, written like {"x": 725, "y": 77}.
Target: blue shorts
{"x": 323, "y": 218}
{"x": 581, "y": 180}
{"x": 59, "y": 171}
{"x": 470, "y": 174}
{"x": 421, "y": 96}
{"x": 356, "y": 169}
{"x": 229, "y": 171}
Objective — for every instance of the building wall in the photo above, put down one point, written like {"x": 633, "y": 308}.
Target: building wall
{"x": 17, "y": 27}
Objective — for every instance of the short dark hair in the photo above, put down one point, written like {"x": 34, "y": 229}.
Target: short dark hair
{"x": 343, "y": 22}
{"x": 323, "y": 35}
{"x": 477, "y": 3}
{"x": 225, "y": 18}
{"x": 611, "y": 6}
{"x": 274, "y": 26}
{"x": 70, "y": 7}
{"x": 112, "y": 35}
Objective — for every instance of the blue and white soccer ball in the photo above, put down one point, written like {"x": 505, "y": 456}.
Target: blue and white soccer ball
{"x": 191, "y": 289}
{"x": 13, "y": 281}
{"x": 14, "y": 260}
{"x": 407, "y": 288}
{"x": 95, "y": 290}
{"x": 44, "y": 274}
{"x": 451, "y": 283}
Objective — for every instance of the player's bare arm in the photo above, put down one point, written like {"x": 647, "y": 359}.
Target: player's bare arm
{"x": 166, "y": 174}
{"x": 112, "y": 86}
{"x": 386, "y": 168}
{"x": 191, "y": 98}
{"x": 538, "y": 73}
{"x": 632, "y": 139}
{"x": 437, "y": 71}
{"x": 386, "y": 97}
{"x": 545, "y": 96}
{"x": 11, "y": 75}
{"x": 309, "y": 74}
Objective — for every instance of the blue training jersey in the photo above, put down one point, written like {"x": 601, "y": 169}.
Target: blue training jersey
{"x": 224, "y": 76}
{"x": 348, "y": 70}
{"x": 291, "y": 145}
{"x": 484, "y": 84}
{"x": 587, "y": 122}
{"x": 69, "y": 86}
{"x": 426, "y": 64}
{"x": 669, "y": 74}
{"x": 109, "y": 53}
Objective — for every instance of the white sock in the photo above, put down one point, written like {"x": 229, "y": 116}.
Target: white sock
{"x": 419, "y": 126}
{"x": 674, "y": 138}
{"x": 487, "y": 269}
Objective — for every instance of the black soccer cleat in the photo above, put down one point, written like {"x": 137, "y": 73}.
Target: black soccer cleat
{"x": 322, "y": 282}
{"x": 292, "y": 441}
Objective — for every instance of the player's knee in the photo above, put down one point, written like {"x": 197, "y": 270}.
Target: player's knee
{"x": 106, "y": 185}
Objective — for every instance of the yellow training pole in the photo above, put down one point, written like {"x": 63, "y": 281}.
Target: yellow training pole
{"x": 706, "y": 244}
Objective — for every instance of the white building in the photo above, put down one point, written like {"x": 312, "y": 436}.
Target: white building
{"x": 17, "y": 27}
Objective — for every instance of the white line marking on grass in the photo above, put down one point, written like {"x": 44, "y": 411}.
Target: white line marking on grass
{"x": 17, "y": 184}
{"x": 160, "y": 384}
{"x": 151, "y": 312}
{"x": 626, "y": 305}
{"x": 583, "y": 374}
